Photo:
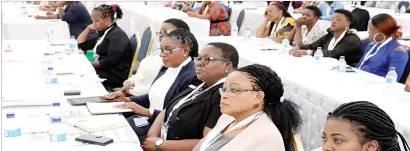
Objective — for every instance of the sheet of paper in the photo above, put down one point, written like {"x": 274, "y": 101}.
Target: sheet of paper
{"x": 105, "y": 108}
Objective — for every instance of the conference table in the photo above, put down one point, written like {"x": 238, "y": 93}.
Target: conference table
{"x": 15, "y": 24}
{"x": 317, "y": 88}
{"x": 26, "y": 94}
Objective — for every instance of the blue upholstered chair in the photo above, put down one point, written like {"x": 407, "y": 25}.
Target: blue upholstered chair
{"x": 406, "y": 73}
{"x": 240, "y": 21}
{"x": 135, "y": 46}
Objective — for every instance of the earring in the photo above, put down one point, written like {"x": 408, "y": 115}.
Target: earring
{"x": 184, "y": 55}
{"x": 255, "y": 106}
{"x": 374, "y": 38}
{"x": 226, "y": 70}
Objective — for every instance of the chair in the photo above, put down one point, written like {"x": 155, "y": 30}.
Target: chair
{"x": 145, "y": 47}
{"x": 406, "y": 74}
{"x": 297, "y": 143}
{"x": 229, "y": 11}
{"x": 135, "y": 47}
{"x": 240, "y": 21}
{"x": 403, "y": 3}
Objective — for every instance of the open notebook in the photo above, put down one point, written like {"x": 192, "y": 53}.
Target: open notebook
{"x": 105, "y": 108}
{"x": 97, "y": 123}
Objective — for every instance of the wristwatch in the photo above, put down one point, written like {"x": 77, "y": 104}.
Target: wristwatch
{"x": 158, "y": 143}
{"x": 309, "y": 52}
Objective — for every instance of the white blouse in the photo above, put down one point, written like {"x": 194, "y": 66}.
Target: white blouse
{"x": 160, "y": 87}
{"x": 317, "y": 32}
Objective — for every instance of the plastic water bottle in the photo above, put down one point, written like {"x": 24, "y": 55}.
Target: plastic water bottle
{"x": 234, "y": 30}
{"x": 24, "y": 10}
{"x": 285, "y": 45}
{"x": 47, "y": 62}
{"x": 341, "y": 65}
{"x": 57, "y": 132}
{"x": 73, "y": 45}
{"x": 11, "y": 127}
{"x": 248, "y": 34}
{"x": 393, "y": 8}
{"x": 50, "y": 35}
{"x": 56, "y": 112}
{"x": 51, "y": 77}
{"x": 391, "y": 77}
{"x": 318, "y": 54}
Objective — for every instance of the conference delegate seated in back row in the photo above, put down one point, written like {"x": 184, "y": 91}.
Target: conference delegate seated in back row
{"x": 385, "y": 51}
{"x": 278, "y": 23}
{"x": 338, "y": 42}
{"x": 215, "y": 12}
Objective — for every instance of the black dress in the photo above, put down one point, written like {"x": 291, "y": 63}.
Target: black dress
{"x": 115, "y": 56}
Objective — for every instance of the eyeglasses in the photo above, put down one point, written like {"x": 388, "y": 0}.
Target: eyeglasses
{"x": 164, "y": 32}
{"x": 167, "y": 51}
{"x": 205, "y": 61}
{"x": 234, "y": 91}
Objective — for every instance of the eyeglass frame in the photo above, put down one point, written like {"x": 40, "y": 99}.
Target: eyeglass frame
{"x": 209, "y": 59}
{"x": 222, "y": 91}
{"x": 167, "y": 51}
{"x": 164, "y": 32}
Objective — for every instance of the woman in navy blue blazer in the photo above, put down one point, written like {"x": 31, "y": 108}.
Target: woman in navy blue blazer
{"x": 385, "y": 51}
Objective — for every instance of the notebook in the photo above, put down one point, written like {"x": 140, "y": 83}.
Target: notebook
{"x": 105, "y": 108}
{"x": 97, "y": 123}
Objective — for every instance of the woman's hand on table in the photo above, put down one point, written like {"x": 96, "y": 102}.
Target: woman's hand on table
{"x": 127, "y": 87}
{"x": 50, "y": 13}
{"x": 407, "y": 88}
{"x": 40, "y": 17}
{"x": 117, "y": 97}
{"x": 298, "y": 53}
{"x": 138, "y": 109}
{"x": 192, "y": 14}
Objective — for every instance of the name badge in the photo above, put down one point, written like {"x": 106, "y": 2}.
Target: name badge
{"x": 164, "y": 131}
{"x": 141, "y": 121}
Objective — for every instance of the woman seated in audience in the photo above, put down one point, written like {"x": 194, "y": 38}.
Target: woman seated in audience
{"x": 385, "y": 51}
{"x": 75, "y": 14}
{"x": 215, "y": 12}
{"x": 308, "y": 28}
{"x": 255, "y": 116}
{"x": 328, "y": 9}
{"x": 338, "y": 42}
{"x": 361, "y": 126}
{"x": 178, "y": 72}
{"x": 112, "y": 48}
{"x": 48, "y": 6}
{"x": 189, "y": 117}
{"x": 361, "y": 19}
{"x": 277, "y": 24}
{"x": 140, "y": 83}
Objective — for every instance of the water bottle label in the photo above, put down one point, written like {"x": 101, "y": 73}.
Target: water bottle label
{"x": 55, "y": 120}
{"x": 389, "y": 80}
{"x": 12, "y": 133}
{"x": 57, "y": 137}
{"x": 318, "y": 57}
{"x": 53, "y": 81}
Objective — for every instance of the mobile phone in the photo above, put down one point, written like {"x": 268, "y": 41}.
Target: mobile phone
{"x": 72, "y": 92}
{"x": 94, "y": 139}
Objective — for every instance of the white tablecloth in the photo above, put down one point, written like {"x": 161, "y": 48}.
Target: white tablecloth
{"x": 319, "y": 90}
{"x": 23, "y": 79}
{"x": 18, "y": 27}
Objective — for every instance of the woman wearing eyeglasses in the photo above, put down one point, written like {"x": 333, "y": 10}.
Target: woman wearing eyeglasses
{"x": 178, "y": 72}
{"x": 191, "y": 115}
{"x": 255, "y": 118}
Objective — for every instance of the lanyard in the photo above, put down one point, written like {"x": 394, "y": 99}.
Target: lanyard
{"x": 212, "y": 137}
{"x": 369, "y": 54}
{"x": 96, "y": 56}
{"x": 273, "y": 32}
{"x": 334, "y": 42}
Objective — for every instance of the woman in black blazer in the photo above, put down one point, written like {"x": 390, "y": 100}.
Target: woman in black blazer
{"x": 112, "y": 48}
{"x": 178, "y": 49}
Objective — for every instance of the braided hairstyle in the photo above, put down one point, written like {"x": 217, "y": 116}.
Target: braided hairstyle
{"x": 373, "y": 124}
{"x": 284, "y": 114}
{"x": 182, "y": 24}
{"x": 187, "y": 38}
{"x": 113, "y": 11}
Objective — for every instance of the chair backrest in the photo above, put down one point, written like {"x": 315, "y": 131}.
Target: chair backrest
{"x": 365, "y": 43}
{"x": 297, "y": 143}
{"x": 229, "y": 10}
{"x": 406, "y": 74}
{"x": 240, "y": 21}
{"x": 135, "y": 47}
{"x": 403, "y": 3}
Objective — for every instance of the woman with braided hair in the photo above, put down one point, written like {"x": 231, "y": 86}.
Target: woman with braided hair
{"x": 112, "y": 48}
{"x": 255, "y": 117}
{"x": 361, "y": 126}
